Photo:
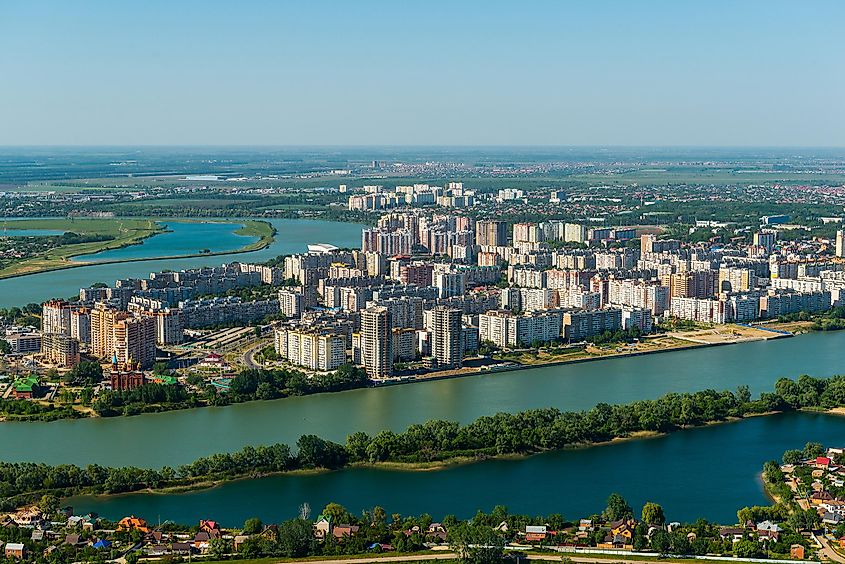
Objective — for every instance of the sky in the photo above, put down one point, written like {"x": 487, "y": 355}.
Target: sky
{"x": 597, "y": 72}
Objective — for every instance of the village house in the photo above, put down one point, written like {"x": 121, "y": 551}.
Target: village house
{"x": 438, "y": 531}
{"x": 733, "y": 533}
{"x": 133, "y": 523}
{"x": 620, "y": 536}
{"x": 796, "y": 551}
{"x": 211, "y": 527}
{"x": 535, "y": 533}
{"x": 322, "y": 527}
{"x": 817, "y": 498}
{"x": 344, "y": 531}
{"x": 15, "y": 550}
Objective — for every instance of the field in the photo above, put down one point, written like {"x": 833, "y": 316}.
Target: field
{"x": 121, "y": 232}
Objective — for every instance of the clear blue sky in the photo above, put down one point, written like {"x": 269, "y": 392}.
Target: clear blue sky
{"x": 594, "y": 72}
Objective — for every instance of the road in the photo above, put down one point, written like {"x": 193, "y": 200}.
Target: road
{"x": 248, "y": 357}
{"x": 453, "y": 556}
{"x": 827, "y": 550}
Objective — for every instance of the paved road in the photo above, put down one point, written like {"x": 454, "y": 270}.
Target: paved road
{"x": 452, "y": 556}
{"x": 249, "y": 355}
{"x": 827, "y": 550}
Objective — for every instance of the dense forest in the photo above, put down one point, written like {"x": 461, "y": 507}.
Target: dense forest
{"x": 522, "y": 433}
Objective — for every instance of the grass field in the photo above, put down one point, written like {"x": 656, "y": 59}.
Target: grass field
{"x": 123, "y": 232}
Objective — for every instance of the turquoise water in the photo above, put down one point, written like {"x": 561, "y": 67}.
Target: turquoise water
{"x": 182, "y": 238}
{"x": 179, "y": 437}
{"x": 30, "y": 232}
{"x": 708, "y": 472}
{"x": 293, "y": 236}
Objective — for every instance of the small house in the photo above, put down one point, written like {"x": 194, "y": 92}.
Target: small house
{"x": 344, "y": 531}
{"x": 133, "y": 523}
{"x": 322, "y": 527}
{"x": 535, "y": 533}
{"x": 15, "y": 550}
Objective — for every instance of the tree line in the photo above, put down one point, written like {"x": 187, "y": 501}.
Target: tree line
{"x": 247, "y": 385}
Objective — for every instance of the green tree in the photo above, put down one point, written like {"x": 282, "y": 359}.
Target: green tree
{"x": 296, "y": 538}
{"x": 812, "y": 450}
{"x": 652, "y": 514}
{"x": 661, "y": 541}
{"x": 319, "y": 453}
{"x": 476, "y": 544}
{"x": 746, "y": 548}
{"x": 218, "y": 548}
{"x": 793, "y": 456}
{"x": 5, "y": 347}
{"x": 336, "y": 512}
{"x": 49, "y": 503}
{"x": 617, "y": 508}
{"x": 252, "y": 526}
{"x": 743, "y": 394}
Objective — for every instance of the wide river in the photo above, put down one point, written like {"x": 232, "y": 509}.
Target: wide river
{"x": 292, "y": 237}
{"x": 177, "y": 437}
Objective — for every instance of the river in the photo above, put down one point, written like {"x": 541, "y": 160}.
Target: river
{"x": 177, "y": 437}
{"x": 292, "y": 237}
{"x": 708, "y": 472}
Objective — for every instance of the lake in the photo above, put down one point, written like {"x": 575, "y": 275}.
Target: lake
{"x": 293, "y": 236}
{"x": 182, "y": 238}
{"x": 31, "y": 232}
{"x": 178, "y": 437}
{"x": 708, "y": 472}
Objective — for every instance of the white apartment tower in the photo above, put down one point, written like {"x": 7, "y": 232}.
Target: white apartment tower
{"x": 446, "y": 337}
{"x": 377, "y": 342}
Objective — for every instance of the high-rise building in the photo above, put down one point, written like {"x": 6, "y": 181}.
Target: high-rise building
{"x": 491, "y": 233}
{"x": 170, "y": 326}
{"x": 135, "y": 342}
{"x": 693, "y": 284}
{"x": 450, "y": 284}
{"x": 735, "y": 279}
{"x": 102, "y": 337}
{"x": 313, "y": 348}
{"x": 574, "y": 233}
{"x": 446, "y": 337}
{"x": 291, "y": 303}
{"x": 376, "y": 342}
{"x": 55, "y": 317}
{"x": 765, "y": 239}
{"x": 650, "y": 244}
{"x": 124, "y": 339}
{"x": 526, "y": 233}
{"x": 840, "y": 243}
{"x": 60, "y": 349}
{"x": 80, "y": 324}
